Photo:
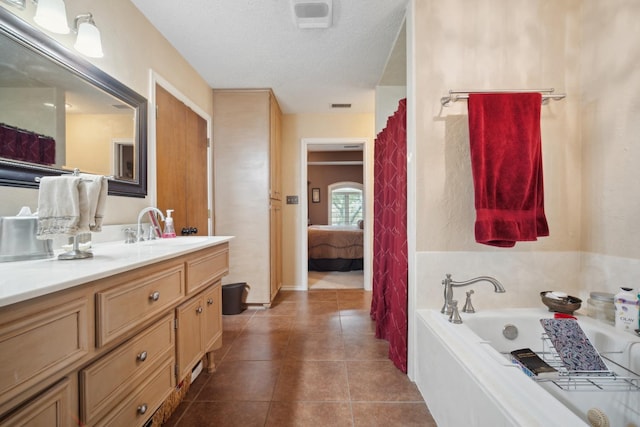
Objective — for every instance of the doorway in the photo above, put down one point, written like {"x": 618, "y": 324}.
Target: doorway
{"x": 123, "y": 158}
{"x": 326, "y": 162}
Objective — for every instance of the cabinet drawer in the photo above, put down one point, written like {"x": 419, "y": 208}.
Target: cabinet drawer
{"x": 144, "y": 401}
{"x": 51, "y": 409}
{"x": 40, "y": 344}
{"x": 204, "y": 269}
{"x": 126, "y": 306}
{"x": 110, "y": 379}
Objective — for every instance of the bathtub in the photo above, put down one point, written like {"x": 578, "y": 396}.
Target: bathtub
{"x": 467, "y": 379}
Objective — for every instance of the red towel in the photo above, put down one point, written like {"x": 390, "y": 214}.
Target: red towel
{"x": 506, "y": 161}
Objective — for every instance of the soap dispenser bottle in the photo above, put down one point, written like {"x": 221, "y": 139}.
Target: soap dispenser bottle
{"x": 169, "y": 230}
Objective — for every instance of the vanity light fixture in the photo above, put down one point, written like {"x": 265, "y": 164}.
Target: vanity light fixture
{"x": 88, "y": 41}
{"x": 52, "y": 15}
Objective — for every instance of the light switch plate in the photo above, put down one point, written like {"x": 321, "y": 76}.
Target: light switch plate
{"x": 292, "y": 200}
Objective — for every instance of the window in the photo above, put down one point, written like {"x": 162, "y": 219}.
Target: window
{"x": 346, "y": 207}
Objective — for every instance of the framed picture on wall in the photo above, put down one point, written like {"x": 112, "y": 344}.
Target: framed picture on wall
{"x": 315, "y": 195}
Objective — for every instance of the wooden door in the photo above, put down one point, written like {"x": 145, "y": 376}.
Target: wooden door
{"x": 196, "y": 173}
{"x": 170, "y": 159}
{"x": 181, "y": 163}
{"x": 275, "y": 172}
{"x": 275, "y": 246}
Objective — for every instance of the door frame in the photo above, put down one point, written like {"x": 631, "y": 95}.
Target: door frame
{"x": 367, "y": 178}
{"x": 157, "y": 79}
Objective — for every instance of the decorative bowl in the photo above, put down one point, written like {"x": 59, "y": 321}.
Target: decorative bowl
{"x": 566, "y": 305}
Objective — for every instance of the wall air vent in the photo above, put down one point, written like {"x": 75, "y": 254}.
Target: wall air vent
{"x": 340, "y": 105}
{"x": 312, "y": 13}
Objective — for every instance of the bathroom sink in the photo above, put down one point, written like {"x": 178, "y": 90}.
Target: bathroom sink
{"x": 176, "y": 241}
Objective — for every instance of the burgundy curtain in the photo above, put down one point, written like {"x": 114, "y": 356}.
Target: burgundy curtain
{"x": 18, "y": 144}
{"x": 390, "y": 264}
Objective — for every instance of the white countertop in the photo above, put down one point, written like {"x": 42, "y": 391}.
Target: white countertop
{"x": 23, "y": 280}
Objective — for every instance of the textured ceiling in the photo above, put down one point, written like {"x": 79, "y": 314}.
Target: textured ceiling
{"x": 256, "y": 44}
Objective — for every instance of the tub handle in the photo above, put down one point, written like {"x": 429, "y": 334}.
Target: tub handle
{"x": 454, "y": 317}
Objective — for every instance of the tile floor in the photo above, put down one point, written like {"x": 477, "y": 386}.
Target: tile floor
{"x": 335, "y": 280}
{"x": 310, "y": 360}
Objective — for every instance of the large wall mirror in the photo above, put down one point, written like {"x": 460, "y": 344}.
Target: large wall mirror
{"x": 58, "y": 112}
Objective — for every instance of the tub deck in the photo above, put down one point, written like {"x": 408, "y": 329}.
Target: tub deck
{"x": 467, "y": 378}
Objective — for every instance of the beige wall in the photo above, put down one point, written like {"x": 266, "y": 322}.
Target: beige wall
{"x": 132, "y": 47}
{"x": 90, "y": 140}
{"x": 295, "y": 127}
{"x": 610, "y": 127}
{"x": 323, "y": 176}
{"x": 484, "y": 45}
{"x": 587, "y": 49}
{"x": 493, "y": 44}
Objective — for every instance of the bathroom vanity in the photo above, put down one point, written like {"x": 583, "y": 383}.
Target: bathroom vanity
{"x": 105, "y": 340}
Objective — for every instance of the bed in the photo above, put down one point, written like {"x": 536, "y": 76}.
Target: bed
{"x": 335, "y": 248}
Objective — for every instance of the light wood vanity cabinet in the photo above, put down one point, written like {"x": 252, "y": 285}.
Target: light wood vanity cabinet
{"x": 203, "y": 268}
{"x": 139, "y": 406}
{"x": 133, "y": 300}
{"x": 50, "y": 409}
{"x": 212, "y": 328}
{"x": 199, "y": 329}
{"x": 37, "y": 340}
{"x": 108, "y": 352}
{"x": 104, "y": 382}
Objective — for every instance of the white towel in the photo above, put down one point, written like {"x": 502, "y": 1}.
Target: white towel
{"x": 58, "y": 206}
{"x": 93, "y": 192}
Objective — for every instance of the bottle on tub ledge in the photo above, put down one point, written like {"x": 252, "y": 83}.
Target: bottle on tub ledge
{"x": 169, "y": 230}
{"x": 627, "y": 309}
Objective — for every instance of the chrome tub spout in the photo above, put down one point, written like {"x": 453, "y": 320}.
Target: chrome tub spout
{"x": 449, "y": 284}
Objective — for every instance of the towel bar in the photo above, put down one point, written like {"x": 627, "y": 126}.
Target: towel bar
{"x": 455, "y": 95}
{"x": 76, "y": 172}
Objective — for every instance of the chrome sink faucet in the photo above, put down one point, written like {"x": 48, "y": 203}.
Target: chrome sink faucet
{"x": 449, "y": 284}
{"x": 151, "y": 210}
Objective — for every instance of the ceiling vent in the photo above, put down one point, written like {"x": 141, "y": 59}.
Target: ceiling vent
{"x": 340, "y": 105}
{"x": 313, "y": 13}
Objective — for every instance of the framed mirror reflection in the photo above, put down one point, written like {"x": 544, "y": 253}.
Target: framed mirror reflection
{"x": 58, "y": 112}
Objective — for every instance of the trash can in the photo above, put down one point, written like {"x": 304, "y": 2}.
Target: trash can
{"x": 232, "y": 298}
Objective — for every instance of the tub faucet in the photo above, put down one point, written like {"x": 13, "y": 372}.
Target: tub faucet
{"x": 151, "y": 210}
{"x": 449, "y": 284}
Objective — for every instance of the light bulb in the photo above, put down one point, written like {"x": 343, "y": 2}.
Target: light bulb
{"x": 88, "y": 41}
{"x": 52, "y": 15}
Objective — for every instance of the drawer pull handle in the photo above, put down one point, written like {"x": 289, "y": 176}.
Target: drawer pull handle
{"x": 142, "y": 356}
{"x": 154, "y": 296}
{"x": 142, "y": 409}
{"x": 199, "y": 310}
{"x": 210, "y": 301}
